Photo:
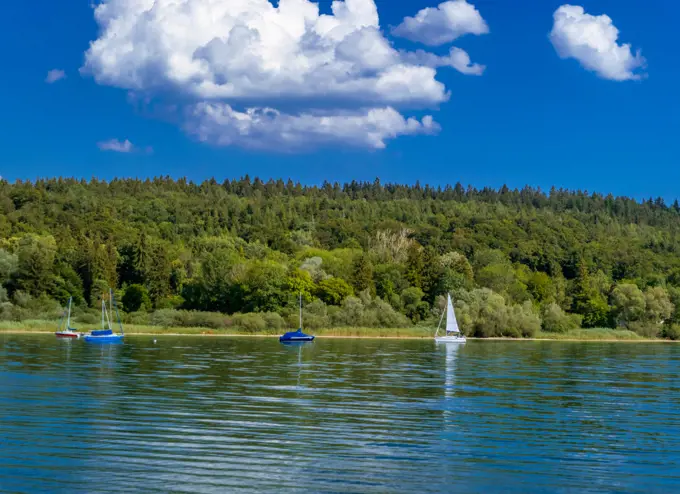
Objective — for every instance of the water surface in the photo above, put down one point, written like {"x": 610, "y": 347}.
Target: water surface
{"x": 214, "y": 415}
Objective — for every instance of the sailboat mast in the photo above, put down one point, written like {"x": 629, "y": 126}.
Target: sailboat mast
{"x": 440, "y": 322}
{"x": 68, "y": 321}
{"x": 120, "y": 323}
{"x": 300, "y": 310}
{"x": 110, "y": 306}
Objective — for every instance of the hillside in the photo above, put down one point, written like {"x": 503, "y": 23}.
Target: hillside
{"x": 362, "y": 254}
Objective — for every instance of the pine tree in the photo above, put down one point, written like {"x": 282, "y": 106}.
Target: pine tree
{"x": 362, "y": 274}
{"x": 414, "y": 265}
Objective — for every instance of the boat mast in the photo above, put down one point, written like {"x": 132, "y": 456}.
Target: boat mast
{"x": 61, "y": 321}
{"x": 110, "y": 306}
{"x": 440, "y": 323}
{"x": 68, "y": 321}
{"x": 120, "y": 323}
{"x": 103, "y": 313}
{"x": 300, "y": 311}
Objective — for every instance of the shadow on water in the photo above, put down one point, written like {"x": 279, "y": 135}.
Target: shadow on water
{"x": 204, "y": 415}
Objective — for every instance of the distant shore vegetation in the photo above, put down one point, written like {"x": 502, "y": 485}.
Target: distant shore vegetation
{"x": 236, "y": 255}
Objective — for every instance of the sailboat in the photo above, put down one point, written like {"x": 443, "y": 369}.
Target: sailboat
{"x": 106, "y": 334}
{"x": 453, "y": 334}
{"x": 296, "y": 336}
{"x": 68, "y": 331}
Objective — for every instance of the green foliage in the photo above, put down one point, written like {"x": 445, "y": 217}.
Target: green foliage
{"x": 36, "y": 256}
{"x": 455, "y": 262}
{"x": 483, "y": 314}
{"x": 9, "y": 264}
{"x": 414, "y": 307}
{"x": 415, "y": 265}
{"x": 247, "y": 246}
{"x": 300, "y": 282}
{"x": 333, "y": 290}
{"x": 541, "y": 287}
{"x": 555, "y": 320}
{"x": 672, "y": 332}
{"x": 135, "y": 298}
{"x": 362, "y": 274}
{"x": 523, "y": 321}
{"x": 658, "y": 306}
{"x": 628, "y": 303}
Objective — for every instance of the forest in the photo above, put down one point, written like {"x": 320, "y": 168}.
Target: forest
{"x": 239, "y": 253}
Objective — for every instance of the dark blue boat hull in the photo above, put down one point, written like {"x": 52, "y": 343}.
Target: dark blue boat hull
{"x": 295, "y": 337}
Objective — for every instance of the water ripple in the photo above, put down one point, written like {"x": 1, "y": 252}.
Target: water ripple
{"x": 206, "y": 415}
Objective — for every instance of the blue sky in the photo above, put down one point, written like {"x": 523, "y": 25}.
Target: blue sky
{"x": 532, "y": 117}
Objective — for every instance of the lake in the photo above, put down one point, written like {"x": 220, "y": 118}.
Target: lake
{"x": 214, "y": 415}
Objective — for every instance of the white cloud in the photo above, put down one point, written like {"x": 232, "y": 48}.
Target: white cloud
{"x": 221, "y": 125}
{"x": 592, "y": 40}
{"x": 54, "y": 76}
{"x": 444, "y": 24}
{"x": 116, "y": 146}
{"x": 228, "y": 62}
{"x": 457, "y": 59}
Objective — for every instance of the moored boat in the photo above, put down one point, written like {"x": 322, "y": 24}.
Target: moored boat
{"x": 296, "y": 336}
{"x": 453, "y": 334}
{"x": 106, "y": 334}
{"x": 67, "y": 331}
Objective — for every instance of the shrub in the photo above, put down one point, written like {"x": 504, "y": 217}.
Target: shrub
{"x": 138, "y": 318}
{"x": 555, "y": 320}
{"x": 198, "y": 319}
{"x": 251, "y": 322}
{"x": 274, "y": 320}
{"x": 88, "y": 317}
{"x": 333, "y": 290}
{"x": 672, "y": 332}
{"x": 350, "y": 314}
{"x": 645, "y": 329}
{"x": 522, "y": 321}
{"x": 165, "y": 318}
{"x": 8, "y": 312}
{"x": 135, "y": 298}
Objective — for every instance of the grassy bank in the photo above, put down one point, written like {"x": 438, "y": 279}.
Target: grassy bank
{"x": 38, "y": 326}
{"x": 595, "y": 334}
{"x": 598, "y": 334}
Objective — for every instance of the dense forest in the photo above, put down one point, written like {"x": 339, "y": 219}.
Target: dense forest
{"x": 362, "y": 254}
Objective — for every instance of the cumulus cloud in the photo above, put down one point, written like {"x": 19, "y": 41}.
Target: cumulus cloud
{"x": 284, "y": 75}
{"x": 592, "y": 40}
{"x": 220, "y": 124}
{"x": 54, "y": 76}
{"x": 457, "y": 59}
{"x": 116, "y": 146}
{"x": 443, "y": 24}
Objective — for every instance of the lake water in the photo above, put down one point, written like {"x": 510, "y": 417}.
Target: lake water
{"x": 215, "y": 415}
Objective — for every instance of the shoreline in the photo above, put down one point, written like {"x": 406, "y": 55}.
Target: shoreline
{"x": 357, "y": 337}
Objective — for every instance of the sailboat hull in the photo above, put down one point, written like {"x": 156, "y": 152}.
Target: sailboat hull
{"x": 450, "y": 339}
{"x": 67, "y": 334}
{"x": 114, "y": 338}
{"x": 296, "y": 337}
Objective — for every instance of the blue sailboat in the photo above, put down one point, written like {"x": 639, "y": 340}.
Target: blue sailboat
{"x": 106, "y": 335}
{"x": 296, "y": 336}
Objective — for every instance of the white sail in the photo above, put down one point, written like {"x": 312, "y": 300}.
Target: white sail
{"x": 451, "y": 322}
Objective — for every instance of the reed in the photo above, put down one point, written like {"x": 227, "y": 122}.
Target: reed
{"x": 596, "y": 334}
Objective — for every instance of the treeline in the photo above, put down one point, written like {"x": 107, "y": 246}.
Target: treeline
{"x": 362, "y": 254}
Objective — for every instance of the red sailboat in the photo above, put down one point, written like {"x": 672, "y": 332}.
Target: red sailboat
{"x": 68, "y": 331}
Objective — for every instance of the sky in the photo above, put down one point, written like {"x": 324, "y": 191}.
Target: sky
{"x": 486, "y": 92}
